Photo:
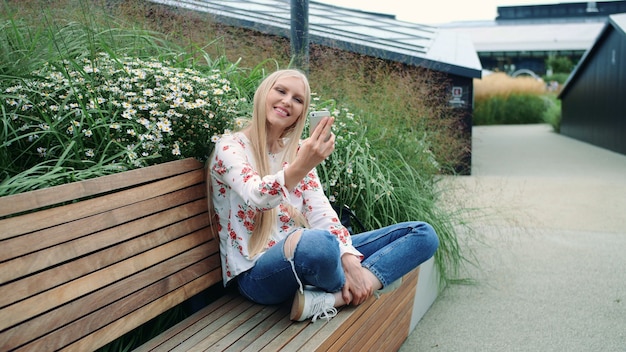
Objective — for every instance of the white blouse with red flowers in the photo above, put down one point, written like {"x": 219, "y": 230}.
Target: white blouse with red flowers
{"x": 239, "y": 193}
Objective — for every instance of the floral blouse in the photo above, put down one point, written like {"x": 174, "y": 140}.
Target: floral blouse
{"x": 239, "y": 193}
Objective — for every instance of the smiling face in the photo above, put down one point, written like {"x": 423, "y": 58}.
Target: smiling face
{"x": 284, "y": 104}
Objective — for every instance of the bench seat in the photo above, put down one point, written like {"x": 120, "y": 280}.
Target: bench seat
{"x": 85, "y": 263}
{"x": 233, "y": 323}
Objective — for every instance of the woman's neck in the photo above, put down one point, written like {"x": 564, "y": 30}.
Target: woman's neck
{"x": 275, "y": 144}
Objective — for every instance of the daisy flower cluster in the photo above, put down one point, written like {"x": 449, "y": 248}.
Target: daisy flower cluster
{"x": 138, "y": 111}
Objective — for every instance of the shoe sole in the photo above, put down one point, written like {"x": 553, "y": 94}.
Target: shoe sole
{"x": 297, "y": 308}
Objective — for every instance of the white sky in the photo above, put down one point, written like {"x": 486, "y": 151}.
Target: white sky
{"x": 438, "y": 11}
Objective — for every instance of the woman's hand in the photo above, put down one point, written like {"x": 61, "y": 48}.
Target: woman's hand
{"x": 313, "y": 151}
{"x": 320, "y": 144}
{"x": 357, "y": 288}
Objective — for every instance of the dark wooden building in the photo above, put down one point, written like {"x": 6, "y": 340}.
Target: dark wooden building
{"x": 594, "y": 96}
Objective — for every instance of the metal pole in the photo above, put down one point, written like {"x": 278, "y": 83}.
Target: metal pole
{"x": 300, "y": 34}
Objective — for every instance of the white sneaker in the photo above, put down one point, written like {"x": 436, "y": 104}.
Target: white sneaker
{"x": 313, "y": 303}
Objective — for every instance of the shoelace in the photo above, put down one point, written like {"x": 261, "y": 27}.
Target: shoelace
{"x": 324, "y": 312}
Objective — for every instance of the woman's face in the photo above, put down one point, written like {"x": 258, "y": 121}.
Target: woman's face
{"x": 284, "y": 103}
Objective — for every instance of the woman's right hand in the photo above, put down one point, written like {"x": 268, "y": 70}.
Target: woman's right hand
{"x": 320, "y": 144}
{"x": 312, "y": 152}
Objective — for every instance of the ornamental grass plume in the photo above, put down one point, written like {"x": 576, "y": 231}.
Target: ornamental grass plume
{"x": 501, "y": 84}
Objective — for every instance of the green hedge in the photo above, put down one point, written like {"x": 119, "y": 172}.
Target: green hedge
{"x": 513, "y": 109}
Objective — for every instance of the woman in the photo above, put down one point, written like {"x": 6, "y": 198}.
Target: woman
{"x": 279, "y": 235}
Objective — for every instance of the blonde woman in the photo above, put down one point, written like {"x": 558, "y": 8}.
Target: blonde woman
{"x": 280, "y": 239}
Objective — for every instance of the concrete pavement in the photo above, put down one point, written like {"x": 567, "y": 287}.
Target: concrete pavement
{"x": 547, "y": 224}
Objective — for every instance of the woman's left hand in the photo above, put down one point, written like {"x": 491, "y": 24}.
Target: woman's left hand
{"x": 357, "y": 288}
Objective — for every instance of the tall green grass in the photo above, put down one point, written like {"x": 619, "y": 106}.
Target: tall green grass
{"x": 382, "y": 187}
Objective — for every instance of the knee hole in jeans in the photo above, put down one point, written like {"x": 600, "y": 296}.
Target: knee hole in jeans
{"x": 290, "y": 244}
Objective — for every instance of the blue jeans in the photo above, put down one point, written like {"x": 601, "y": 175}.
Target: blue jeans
{"x": 389, "y": 253}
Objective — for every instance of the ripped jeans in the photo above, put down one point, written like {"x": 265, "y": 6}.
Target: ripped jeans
{"x": 389, "y": 253}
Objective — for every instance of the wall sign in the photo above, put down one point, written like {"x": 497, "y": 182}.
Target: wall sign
{"x": 457, "y": 97}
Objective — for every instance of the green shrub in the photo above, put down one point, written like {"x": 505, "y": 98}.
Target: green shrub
{"x": 516, "y": 108}
{"x": 552, "y": 113}
{"x": 558, "y": 77}
{"x": 560, "y": 64}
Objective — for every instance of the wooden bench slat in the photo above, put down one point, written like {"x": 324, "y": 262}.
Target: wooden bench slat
{"x": 268, "y": 336}
{"x": 282, "y": 339}
{"x": 60, "y": 274}
{"x": 15, "y": 204}
{"x": 329, "y": 333}
{"x": 373, "y": 314}
{"x": 254, "y": 328}
{"x": 214, "y": 328}
{"x": 379, "y": 316}
{"x": 276, "y": 332}
{"x": 228, "y": 333}
{"x": 395, "y": 334}
{"x": 182, "y": 330}
{"x": 202, "y": 322}
{"x": 377, "y": 319}
{"x": 118, "y": 309}
{"x": 394, "y": 338}
{"x": 34, "y": 262}
{"x": 101, "y": 337}
{"x": 337, "y": 331}
{"x": 52, "y": 236}
{"x": 57, "y": 296}
{"x": 383, "y": 317}
{"x": 195, "y": 262}
{"x": 306, "y": 334}
{"x": 54, "y": 216}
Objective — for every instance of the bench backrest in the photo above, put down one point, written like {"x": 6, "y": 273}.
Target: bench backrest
{"x": 83, "y": 263}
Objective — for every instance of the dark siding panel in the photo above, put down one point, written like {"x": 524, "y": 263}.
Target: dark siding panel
{"x": 620, "y": 111}
{"x": 595, "y": 109}
{"x": 464, "y": 124}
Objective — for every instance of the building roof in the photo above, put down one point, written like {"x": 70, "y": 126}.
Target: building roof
{"x": 493, "y": 36}
{"x": 562, "y": 10}
{"x": 563, "y": 26}
{"x": 615, "y": 23}
{"x": 367, "y": 33}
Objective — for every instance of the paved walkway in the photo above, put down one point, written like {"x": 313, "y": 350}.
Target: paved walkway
{"x": 548, "y": 227}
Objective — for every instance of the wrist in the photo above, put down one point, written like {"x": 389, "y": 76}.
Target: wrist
{"x": 349, "y": 258}
{"x": 294, "y": 173}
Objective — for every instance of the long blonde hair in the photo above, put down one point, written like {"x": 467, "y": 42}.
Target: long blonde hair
{"x": 265, "y": 222}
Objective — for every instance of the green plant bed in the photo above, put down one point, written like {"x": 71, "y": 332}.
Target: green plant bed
{"x": 84, "y": 96}
{"x": 516, "y": 108}
{"x": 552, "y": 114}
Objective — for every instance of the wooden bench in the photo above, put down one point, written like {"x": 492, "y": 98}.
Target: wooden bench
{"x": 84, "y": 263}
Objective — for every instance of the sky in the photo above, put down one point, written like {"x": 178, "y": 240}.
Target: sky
{"x": 438, "y": 11}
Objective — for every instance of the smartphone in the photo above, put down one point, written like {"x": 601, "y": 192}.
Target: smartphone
{"x": 315, "y": 117}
